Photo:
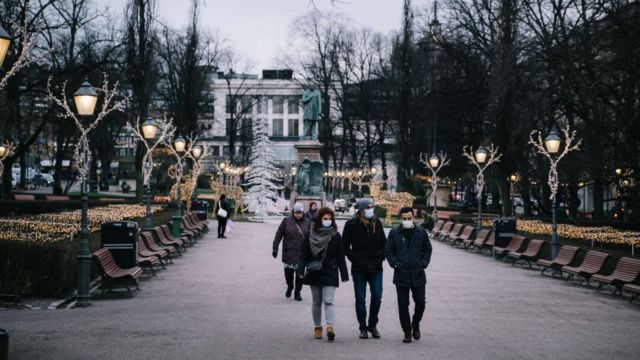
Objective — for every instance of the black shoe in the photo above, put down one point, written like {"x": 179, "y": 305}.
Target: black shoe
{"x": 416, "y": 331}
{"x": 364, "y": 334}
{"x": 288, "y": 293}
{"x": 374, "y": 332}
{"x": 298, "y": 297}
{"x": 223, "y": 237}
{"x": 407, "y": 337}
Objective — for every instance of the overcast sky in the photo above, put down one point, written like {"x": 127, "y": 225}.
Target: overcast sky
{"x": 258, "y": 28}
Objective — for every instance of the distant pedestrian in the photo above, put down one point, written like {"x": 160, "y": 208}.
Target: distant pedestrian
{"x": 364, "y": 244}
{"x": 223, "y": 212}
{"x": 313, "y": 207}
{"x": 322, "y": 257}
{"x": 293, "y": 230}
{"x": 408, "y": 251}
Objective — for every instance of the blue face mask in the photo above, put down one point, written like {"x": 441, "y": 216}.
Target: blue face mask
{"x": 368, "y": 213}
{"x": 327, "y": 223}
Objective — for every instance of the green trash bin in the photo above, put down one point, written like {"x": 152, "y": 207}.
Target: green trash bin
{"x": 4, "y": 345}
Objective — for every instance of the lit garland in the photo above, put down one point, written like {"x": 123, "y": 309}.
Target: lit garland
{"x": 601, "y": 234}
{"x": 59, "y": 226}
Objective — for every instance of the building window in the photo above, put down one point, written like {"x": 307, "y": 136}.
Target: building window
{"x": 246, "y": 130}
{"x": 262, "y": 105}
{"x": 246, "y": 104}
{"x": 225, "y": 151}
{"x": 293, "y": 127}
{"x": 278, "y": 127}
{"x": 278, "y": 105}
{"x": 294, "y": 104}
{"x": 216, "y": 151}
{"x": 228, "y": 104}
{"x": 227, "y": 128}
{"x": 209, "y": 126}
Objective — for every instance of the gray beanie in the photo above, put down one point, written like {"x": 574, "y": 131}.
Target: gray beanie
{"x": 298, "y": 207}
{"x": 363, "y": 204}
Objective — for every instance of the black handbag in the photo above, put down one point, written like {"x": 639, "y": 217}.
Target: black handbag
{"x": 316, "y": 265}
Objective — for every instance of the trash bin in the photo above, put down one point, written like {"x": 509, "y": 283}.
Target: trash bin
{"x": 121, "y": 238}
{"x": 200, "y": 208}
{"x": 504, "y": 230}
{"x": 4, "y": 345}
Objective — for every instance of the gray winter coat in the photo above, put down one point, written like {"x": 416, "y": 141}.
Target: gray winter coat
{"x": 291, "y": 238}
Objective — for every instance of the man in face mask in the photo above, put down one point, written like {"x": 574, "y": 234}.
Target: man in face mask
{"x": 408, "y": 251}
{"x": 364, "y": 243}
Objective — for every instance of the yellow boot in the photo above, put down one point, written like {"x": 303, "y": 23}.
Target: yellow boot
{"x": 331, "y": 334}
{"x": 317, "y": 332}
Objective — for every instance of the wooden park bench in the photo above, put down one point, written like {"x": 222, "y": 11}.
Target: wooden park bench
{"x": 149, "y": 263}
{"x": 479, "y": 240}
{"x": 467, "y": 233}
{"x": 186, "y": 241}
{"x": 446, "y": 228}
{"x": 147, "y": 237}
{"x": 57, "y": 197}
{"x": 592, "y": 264}
{"x": 515, "y": 244}
{"x": 177, "y": 244}
{"x": 455, "y": 231}
{"x": 144, "y": 251}
{"x": 196, "y": 220}
{"x": 189, "y": 224}
{"x": 114, "y": 275}
{"x": 24, "y": 197}
{"x": 530, "y": 254}
{"x": 634, "y": 289}
{"x": 627, "y": 271}
{"x": 565, "y": 256}
{"x": 436, "y": 227}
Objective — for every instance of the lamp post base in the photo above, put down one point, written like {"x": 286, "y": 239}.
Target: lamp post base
{"x": 175, "y": 225}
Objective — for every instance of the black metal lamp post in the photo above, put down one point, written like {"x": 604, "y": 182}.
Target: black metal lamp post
{"x": 552, "y": 144}
{"x": 149, "y": 131}
{"x": 481, "y": 156}
{"x": 179, "y": 145}
{"x": 85, "y": 100}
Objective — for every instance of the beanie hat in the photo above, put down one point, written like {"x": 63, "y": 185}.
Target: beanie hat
{"x": 363, "y": 204}
{"x": 298, "y": 207}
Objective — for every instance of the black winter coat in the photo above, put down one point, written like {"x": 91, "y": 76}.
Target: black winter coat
{"x": 294, "y": 235}
{"x": 409, "y": 255}
{"x": 333, "y": 262}
{"x": 364, "y": 245}
{"x": 226, "y": 206}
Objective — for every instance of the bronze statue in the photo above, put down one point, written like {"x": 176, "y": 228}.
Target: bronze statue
{"x": 312, "y": 102}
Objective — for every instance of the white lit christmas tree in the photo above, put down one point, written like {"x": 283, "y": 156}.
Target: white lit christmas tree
{"x": 262, "y": 176}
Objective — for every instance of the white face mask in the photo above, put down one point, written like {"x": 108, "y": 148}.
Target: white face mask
{"x": 407, "y": 224}
{"x": 327, "y": 223}
{"x": 368, "y": 213}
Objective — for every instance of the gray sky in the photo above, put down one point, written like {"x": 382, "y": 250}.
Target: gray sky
{"x": 257, "y": 28}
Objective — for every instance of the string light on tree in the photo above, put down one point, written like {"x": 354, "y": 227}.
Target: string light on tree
{"x": 481, "y": 159}
{"x": 435, "y": 163}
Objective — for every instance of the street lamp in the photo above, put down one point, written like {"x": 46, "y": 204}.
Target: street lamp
{"x": 197, "y": 152}
{"x": 435, "y": 163}
{"x": 180, "y": 144}
{"x": 149, "y": 128}
{"x": 85, "y": 99}
{"x": 294, "y": 171}
{"x": 550, "y": 148}
{"x": 5, "y": 41}
{"x": 481, "y": 158}
{"x": 513, "y": 179}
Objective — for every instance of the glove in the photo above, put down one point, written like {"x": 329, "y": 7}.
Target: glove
{"x": 275, "y": 254}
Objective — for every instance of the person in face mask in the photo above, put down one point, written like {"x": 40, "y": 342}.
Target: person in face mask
{"x": 408, "y": 251}
{"x": 323, "y": 247}
{"x": 292, "y": 232}
{"x": 364, "y": 243}
{"x": 310, "y": 214}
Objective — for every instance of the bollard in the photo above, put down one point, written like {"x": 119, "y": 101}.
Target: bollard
{"x": 4, "y": 345}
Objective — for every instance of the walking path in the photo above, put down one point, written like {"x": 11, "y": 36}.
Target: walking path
{"x": 225, "y": 300}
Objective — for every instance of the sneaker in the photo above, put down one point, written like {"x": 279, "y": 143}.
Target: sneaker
{"x": 288, "y": 292}
{"x": 407, "y": 337}
{"x": 374, "y": 332}
{"x": 364, "y": 334}
{"x": 317, "y": 332}
{"x": 331, "y": 334}
{"x": 416, "y": 331}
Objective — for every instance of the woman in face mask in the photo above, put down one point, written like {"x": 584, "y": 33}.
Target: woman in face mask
{"x": 321, "y": 258}
{"x": 292, "y": 232}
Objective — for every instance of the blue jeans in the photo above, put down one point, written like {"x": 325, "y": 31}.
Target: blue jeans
{"x": 360, "y": 281}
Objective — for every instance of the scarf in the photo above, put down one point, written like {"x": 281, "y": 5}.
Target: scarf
{"x": 368, "y": 223}
{"x": 319, "y": 239}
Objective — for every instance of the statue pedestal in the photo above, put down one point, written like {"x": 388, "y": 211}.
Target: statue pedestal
{"x": 310, "y": 149}
{"x": 306, "y": 200}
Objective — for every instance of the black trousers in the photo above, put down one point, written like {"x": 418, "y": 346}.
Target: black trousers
{"x": 222, "y": 225}
{"x": 419, "y": 299}
{"x": 289, "y": 275}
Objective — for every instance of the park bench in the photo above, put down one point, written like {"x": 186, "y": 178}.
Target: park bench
{"x": 565, "y": 256}
{"x": 467, "y": 233}
{"x": 188, "y": 221}
{"x": 24, "y": 197}
{"x": 446, "y": 228}
{"x": 186, "y": 241}
{"x": 149, "y": 263}
{"x": 57, "y": 197}
{"x": 147, "y": 237}
{"x": 114, "y": 275}
{"x": 592, "y": 264}
{"x": 478, "y": 241}
{"x": 436, "y": 227}
{"x": 530, "y": 254}
{"x": 196, "y": 220}
{"x": 634, "y": 289}
{"x": 455, "y": 231}
{"x": 627, "y": 271}
{"x": 515, "y": 244}
{"x": 177, "y": 244}
{"x": 144, "y": 251}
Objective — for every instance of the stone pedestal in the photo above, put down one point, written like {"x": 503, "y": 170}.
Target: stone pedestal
{"x": 309, "y": 149}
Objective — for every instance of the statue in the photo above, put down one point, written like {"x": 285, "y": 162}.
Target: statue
{"x": 304, "y": 177}
{"x": 311, "y": 100}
